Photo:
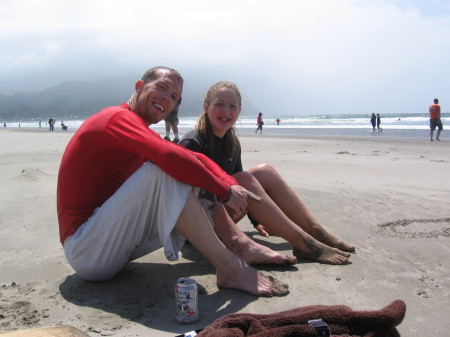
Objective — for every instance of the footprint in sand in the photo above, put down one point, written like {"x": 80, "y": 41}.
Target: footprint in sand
{"x": 32, "y": 174}
{"x": 415, "y": 228}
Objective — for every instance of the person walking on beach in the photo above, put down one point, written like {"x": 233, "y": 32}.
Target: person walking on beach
{"x": 171, "y": 121}
{"x": 280, "y": 211}
{"x": 378, "y": 123}
{"x": 373, "y": 120}
{"x": 259, "y": 122}
{"x": 278, "y": 120}
{"x": 124, "y": 192}
{"x": 435, "y": 119}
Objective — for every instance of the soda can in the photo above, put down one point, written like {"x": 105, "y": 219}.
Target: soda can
{"x": 186, "y": 305}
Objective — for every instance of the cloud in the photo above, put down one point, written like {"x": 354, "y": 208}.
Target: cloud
{"x": 310, "y": 56}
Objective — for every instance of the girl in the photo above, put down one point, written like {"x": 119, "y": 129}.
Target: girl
{"x": 259, "y": 122}
{"x": 280, "y": 211}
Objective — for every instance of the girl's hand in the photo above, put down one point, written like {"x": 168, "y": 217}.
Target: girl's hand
{"x": 260, "y": 228}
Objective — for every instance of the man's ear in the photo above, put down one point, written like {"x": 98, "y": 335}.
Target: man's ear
{"x": 139, "y": 85}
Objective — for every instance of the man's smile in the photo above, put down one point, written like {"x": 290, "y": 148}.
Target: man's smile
{"x": 159, "y": 106}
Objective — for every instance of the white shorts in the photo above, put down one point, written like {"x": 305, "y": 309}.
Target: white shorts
{"x": 137, "y": 219}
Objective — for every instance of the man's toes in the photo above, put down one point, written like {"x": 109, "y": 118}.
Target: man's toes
{"x": 278, "y": 288}
{"x": 266, "y": 293}
{"x": 289, "y": 261}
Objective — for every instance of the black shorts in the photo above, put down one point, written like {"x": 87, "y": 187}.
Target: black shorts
{"x": 436, "y": 123}
{"x": 172, "y": 118}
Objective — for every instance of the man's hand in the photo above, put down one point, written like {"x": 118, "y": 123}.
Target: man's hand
{"x": 238, "y": 200}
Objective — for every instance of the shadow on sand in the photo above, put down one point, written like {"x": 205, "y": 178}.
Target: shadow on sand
{"x": 144, "y": 293}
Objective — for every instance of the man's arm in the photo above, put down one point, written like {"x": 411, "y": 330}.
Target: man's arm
{"x": 183, "y": 165}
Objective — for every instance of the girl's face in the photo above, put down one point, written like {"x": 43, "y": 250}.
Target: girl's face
{"x": 223, "y": 110}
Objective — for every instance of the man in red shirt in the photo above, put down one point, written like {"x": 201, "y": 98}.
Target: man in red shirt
{"x": 124, "y": 192}
{"x": 435, "y": 119}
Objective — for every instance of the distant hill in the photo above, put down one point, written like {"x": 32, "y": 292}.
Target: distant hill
{"x": 81, "y": 99}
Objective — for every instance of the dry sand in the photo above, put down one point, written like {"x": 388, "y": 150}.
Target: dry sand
{"x": 389, "y": 197}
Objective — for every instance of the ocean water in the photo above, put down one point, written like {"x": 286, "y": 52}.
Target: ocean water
{"x": 393, "y": 125}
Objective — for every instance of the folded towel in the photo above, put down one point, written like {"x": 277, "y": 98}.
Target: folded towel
{"x": 342, "y": 321}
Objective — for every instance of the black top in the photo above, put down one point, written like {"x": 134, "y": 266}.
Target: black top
{"x": 194, "y": 142}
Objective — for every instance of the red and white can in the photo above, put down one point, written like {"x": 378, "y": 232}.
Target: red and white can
{"x": 186, "y": 300}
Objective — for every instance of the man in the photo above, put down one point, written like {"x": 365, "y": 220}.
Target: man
{"x": 435, "y": 119}
{"x": 373, "y": 120}
{"x": 171, "y": 121}
{"x": 124, "y": 192}
{"x": 379, "y": 123}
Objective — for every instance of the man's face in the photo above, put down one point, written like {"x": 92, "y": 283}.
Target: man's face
{"x": 157, "y": 98}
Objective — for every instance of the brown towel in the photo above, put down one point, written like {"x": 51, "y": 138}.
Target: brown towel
{"x": 341, "y": 320}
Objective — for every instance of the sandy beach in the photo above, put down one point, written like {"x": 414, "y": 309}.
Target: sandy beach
{"x": 390, "y": 197}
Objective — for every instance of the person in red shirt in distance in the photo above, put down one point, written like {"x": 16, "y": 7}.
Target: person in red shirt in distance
{"x": 124, "y": 192}
{"x": 435, "y": 119}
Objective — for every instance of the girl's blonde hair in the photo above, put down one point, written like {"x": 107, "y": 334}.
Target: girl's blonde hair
{"x": 204, "y": 128}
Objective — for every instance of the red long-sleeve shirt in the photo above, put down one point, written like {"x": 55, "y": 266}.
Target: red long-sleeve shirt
{"x": 109, "y": 147}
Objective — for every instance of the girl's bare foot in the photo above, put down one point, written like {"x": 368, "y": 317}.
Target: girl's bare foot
{"x": 341, "y": 245}
{"x": 331, "y": 240}
{"x": 253, "y": 253}
{"x": 248, "y": 279}
{"x": 323, "y": 254}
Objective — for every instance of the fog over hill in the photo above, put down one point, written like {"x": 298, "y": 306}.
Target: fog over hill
{"x": 81, "y": 99}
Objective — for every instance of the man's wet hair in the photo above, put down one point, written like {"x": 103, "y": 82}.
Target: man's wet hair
{"x": 152, "y": 74}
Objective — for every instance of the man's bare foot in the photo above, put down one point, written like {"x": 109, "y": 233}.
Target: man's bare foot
{"x": 253, "y": 253}
{"x": 248, "y": 279}
{"x": 323, "y": 254}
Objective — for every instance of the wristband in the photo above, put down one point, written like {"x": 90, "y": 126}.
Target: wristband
{"x": 227, "y": 198}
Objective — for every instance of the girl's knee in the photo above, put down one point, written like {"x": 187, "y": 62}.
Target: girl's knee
{"x": 263, "y": 169}
{"x": 244, "y": 178}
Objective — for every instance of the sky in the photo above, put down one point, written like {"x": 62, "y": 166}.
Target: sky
{"x": 287, "y": 56}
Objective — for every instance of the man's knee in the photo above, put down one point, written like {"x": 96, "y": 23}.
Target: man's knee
{"x": 96, "y": 272}
{"x": 192, "y": 200}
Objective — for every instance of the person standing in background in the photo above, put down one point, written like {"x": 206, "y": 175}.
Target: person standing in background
{"x": 51, "y": 123}
{"x": 435, "y": 119}
{"x": 260, "y": 123}
{"x": 373, "y": 120}
{"x": 378, "y": 123}
{"x": 172, "y": 121}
